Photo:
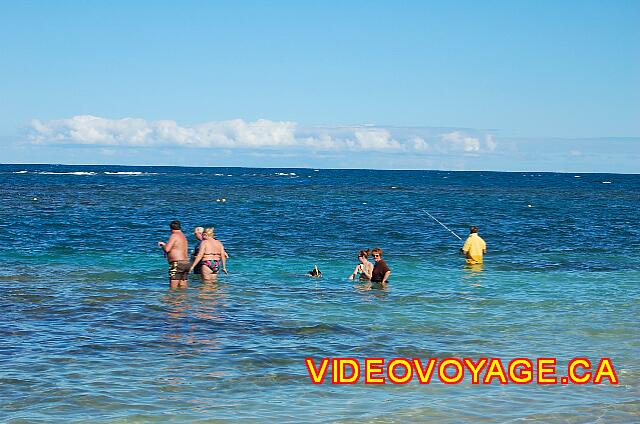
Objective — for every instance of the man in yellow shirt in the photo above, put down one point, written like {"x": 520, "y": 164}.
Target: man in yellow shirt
{"x": 474, "y": 247}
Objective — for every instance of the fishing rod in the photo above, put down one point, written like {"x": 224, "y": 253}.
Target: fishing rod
{"x": 447, "y": 228}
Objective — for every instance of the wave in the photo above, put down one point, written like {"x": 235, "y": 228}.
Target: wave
{"x": 130, "y": 173}
{"x": 124, "y": 173}
{"x": 284, "y": 174}
{"x": 66, "y": 173}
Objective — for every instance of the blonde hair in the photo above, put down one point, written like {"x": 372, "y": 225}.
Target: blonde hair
{"x": 208, "y": 232}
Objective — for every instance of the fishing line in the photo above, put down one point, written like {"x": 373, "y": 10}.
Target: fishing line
{"x": 447, "y": 228}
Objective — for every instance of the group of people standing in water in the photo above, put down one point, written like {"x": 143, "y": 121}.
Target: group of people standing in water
{"x": 209, "y": 257}
{"x": 377, "y": 272}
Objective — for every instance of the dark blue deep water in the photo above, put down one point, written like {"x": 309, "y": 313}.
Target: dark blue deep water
{"x": 89, "y": 331}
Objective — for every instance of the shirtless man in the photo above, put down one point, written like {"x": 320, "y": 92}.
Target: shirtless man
{"x": 211, "y": 254}
{"x": 177, "y": 250}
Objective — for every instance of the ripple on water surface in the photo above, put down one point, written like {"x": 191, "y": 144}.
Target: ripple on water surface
{"x": 91, "y": 333}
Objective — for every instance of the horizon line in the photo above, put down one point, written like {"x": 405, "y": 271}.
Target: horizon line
{"x": 321, "y": 168}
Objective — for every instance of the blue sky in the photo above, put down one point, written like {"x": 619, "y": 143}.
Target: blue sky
{"x": 527, "y": 85}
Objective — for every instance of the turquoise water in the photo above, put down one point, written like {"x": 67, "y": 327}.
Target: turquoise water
{"x": 91, "y": 333}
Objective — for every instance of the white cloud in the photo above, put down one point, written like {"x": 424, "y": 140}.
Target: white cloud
{"x": 375, "y": 139}
{"x": 420, "y": 145}
{"x": 491, "y": 144}
{"x": 239, "y": 134}
{"x": 91, "y": 130}
{"x": 463, "y": 142}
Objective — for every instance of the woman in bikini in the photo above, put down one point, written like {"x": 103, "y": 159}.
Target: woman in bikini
{"x": 364, "y": 268}
{"x": 212, "y": 255}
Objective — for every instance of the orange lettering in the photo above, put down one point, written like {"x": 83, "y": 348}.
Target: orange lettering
{"x": 525, "y": 374}
{"x": 543, "y": 370}
{"x": 339, "y": 371}
{"x": 457, "y": 377}
{"x": 391, "y": 371}
{"x": 605, "y": 369}
{"x": 317, "y": 376}
{"x": 475, "y": 368}
{"x": 424, "y": 375}
{"x": 573, "y": 376}
{"x": 373, "y": 366}
{"x": 495, "y": 370}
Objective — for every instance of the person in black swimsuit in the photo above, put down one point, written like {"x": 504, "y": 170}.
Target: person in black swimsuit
{"x": 364, "y": 268}
{"x": 315, "y": 272}
{"x": 212, "y": 257}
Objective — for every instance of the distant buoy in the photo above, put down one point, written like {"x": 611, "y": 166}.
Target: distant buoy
{"x": 224, "y": 200}
{"x": 530, "y": 206}
{"x": 35, "y": 198}
{"x": 218, "y": 200}
{"x": 364, "y": 203}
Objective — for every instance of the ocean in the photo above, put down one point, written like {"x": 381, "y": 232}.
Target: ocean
{"x": 90, "y": 332}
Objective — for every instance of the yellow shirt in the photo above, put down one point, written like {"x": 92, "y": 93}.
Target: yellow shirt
{"x": 474, "y": 247}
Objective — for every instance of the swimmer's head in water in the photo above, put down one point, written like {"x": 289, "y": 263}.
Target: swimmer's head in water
{"x": 473, "y": 230}
{"x": 315, "y": 272}
{"x": 175, "y": 225}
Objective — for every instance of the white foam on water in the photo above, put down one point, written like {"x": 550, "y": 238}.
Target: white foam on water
{"x": 126, "y": 173}
{"x": 20, "y": 172}
{"x": 67, "y": 173}
{"x": 606, "y": 182}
